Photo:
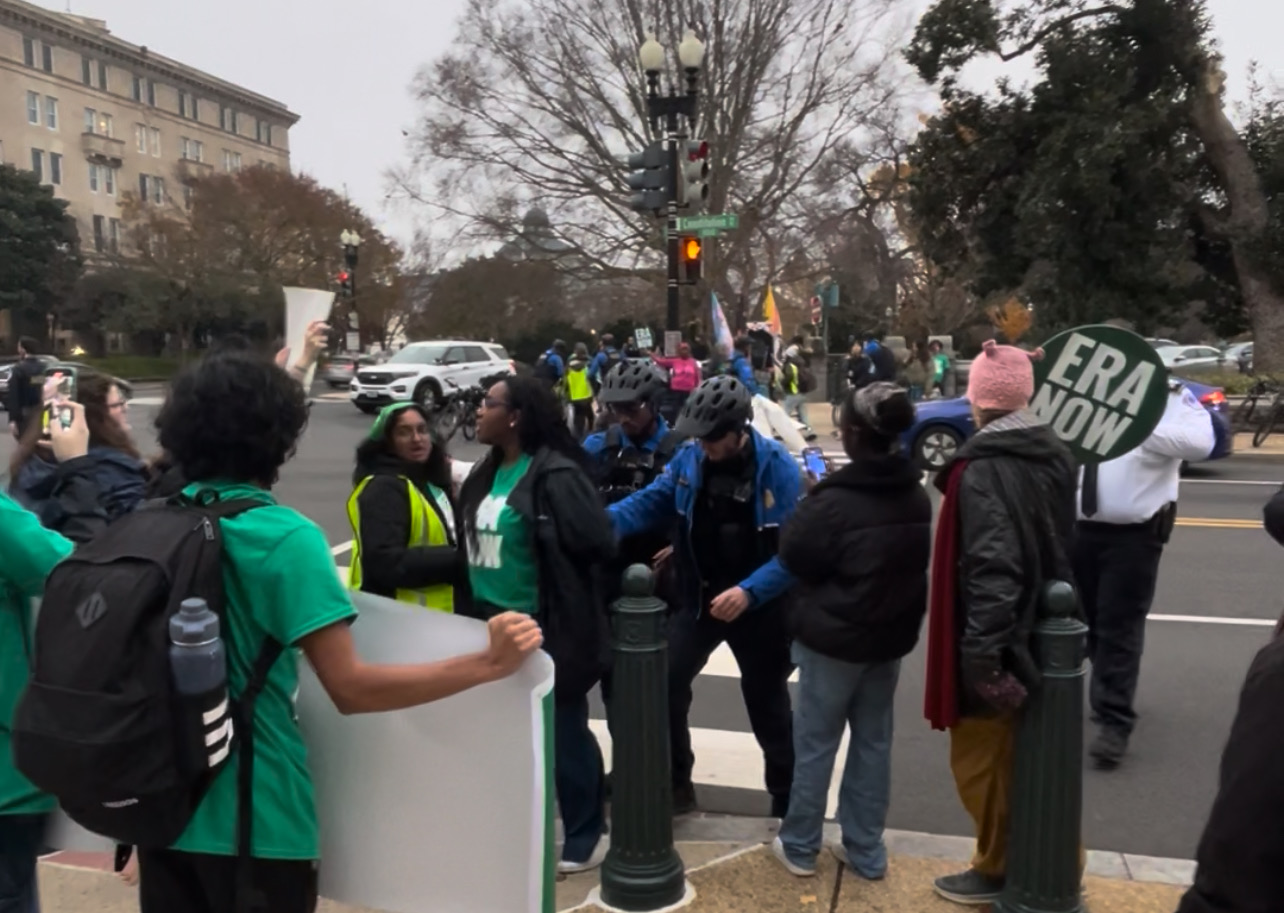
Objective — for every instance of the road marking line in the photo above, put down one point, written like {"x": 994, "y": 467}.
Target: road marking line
{"x": 341, "y": 549}
{"x": 1212, "y": 620}
{"x": 1227, "y": 482}
{"x": 1219, "y": 523}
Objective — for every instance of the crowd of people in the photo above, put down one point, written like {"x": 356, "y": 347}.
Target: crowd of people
{"x": 533, "y": 542}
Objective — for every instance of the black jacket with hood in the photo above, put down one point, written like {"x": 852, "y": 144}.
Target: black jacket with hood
{"x": 388, "y": 562}
{"x": 1016, "y": 523}
{"x": 859, "y": 546}
{"x": 572, "y": 538}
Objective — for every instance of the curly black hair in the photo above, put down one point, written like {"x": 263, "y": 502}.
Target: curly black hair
{"x": 232, "y": 416}
{"x": 543, "y": 419}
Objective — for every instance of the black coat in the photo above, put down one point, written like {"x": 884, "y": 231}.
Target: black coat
{"x": 1016, "y": 524}
{"x": 1241, "y": 852}
{"x": 1273, "y": 516}
{"x": 26, "y": 391}
{"x": 859, "y": 545}
{"x": 572, "y": 539}
{"x": 388, "y": 563}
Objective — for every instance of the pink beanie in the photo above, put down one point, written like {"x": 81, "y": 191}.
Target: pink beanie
{"x": 1001, "y": 378}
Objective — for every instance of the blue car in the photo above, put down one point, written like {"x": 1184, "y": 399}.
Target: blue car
{"x": 944, "y": 424}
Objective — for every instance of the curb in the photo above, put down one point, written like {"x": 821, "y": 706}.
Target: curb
{"x": 1101, "y": 863}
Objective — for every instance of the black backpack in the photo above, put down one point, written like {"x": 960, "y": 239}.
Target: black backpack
{"x": 544, "y": 369}
{"x": 101, "y": 726}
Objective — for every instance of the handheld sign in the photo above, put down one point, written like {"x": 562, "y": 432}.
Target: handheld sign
{"x": 1102, "y": 389}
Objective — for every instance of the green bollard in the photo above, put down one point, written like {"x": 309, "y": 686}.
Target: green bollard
{"x": 642, "y": 870}
{"x": 1044, "y": 869}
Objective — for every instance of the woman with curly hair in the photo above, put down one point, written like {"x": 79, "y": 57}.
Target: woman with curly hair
{"x": 401, "y": 511}
{"x": 535, "y": 533}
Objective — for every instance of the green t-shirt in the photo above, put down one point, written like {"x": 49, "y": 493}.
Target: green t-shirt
{"x": 279, "y": 580}
{"x": 940, "y": 364}
{"x": 30, "y": 552}
{"x": 501, "y": 566}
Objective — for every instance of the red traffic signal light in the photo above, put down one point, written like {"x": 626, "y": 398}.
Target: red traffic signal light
{"x": 343, "y": 278}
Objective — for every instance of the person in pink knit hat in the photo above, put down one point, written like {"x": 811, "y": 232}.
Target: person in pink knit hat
{"x": 1004, "y": 531}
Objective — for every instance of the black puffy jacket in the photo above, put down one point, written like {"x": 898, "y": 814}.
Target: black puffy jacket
{"x": 1016, "y": 523}
{"x": 859, "y": 545}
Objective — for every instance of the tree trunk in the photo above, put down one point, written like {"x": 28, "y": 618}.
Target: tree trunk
{"x": 1246, "y": 218}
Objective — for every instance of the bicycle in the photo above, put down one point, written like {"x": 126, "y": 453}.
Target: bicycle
{"x": 1261, "y": 388}
{"x": 1267, "y": 418}
{"x": 458, "y": 413}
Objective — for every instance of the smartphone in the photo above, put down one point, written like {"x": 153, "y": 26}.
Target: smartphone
{"x": 814, "y": 461}
{"x": 61, "y": 390}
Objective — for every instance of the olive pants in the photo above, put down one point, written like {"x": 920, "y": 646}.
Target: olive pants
{"x": 981, "y": 760}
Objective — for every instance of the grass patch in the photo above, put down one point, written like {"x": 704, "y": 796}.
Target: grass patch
{"x": 135, "y": 367}
{"x": 1234, "y": 383}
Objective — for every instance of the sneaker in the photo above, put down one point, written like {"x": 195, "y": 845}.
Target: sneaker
{"x": 810, "y": 435}
{"x": 1108, "y": 748}
{"x": 969, "y": 888}
{"x": 566, "y": 867}
{"x": 840, "y": 853}
{"x": 684, "y": 800}
{"x": 802, "y": 871}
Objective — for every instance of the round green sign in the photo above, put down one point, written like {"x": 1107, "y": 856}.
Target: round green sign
{"x": 1102, "y": 389}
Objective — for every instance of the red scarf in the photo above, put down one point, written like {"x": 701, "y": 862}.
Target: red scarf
{"x": 941, "y": 701}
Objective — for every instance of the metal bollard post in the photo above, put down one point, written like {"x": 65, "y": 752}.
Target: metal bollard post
{"x": 1045, "y": 842}
{"x": 642, "y": 870}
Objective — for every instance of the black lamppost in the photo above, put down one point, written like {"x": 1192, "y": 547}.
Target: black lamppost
{"x": 351, "y": 242}
{"x": 672, "y": 110}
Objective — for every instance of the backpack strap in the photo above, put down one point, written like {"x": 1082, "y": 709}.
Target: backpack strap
{"x": 612, "y": 441}
{"x": 669, "y": 444}
{"x": 267, "y": 658}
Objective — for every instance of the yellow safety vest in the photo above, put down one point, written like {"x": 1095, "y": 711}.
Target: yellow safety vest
{"x": 426, "y": 528}
{"x": 577, "y": 385}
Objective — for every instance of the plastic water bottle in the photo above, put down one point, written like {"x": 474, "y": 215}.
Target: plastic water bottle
{"x": 197, "y": 654}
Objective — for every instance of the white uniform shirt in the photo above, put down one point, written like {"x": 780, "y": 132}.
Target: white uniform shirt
{"x": 1137, "y": 485}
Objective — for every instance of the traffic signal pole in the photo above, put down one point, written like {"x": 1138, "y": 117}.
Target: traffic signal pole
{"x": 673, "y": 242}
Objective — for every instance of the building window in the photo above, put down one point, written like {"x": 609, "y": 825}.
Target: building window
{"x": 86, "y": 71}
{"x": 93, "y": 178}
{"x": 105, "y": 126}
{"x": 144, "y": 187}
{"x": 109, "y": 180}
{"x": 223, "y": 119}
{"x": 46, "y": 58}
{"x": 182, "y": 104}
{"x": 151, "y": 188}
{"x": 113, "y": 235}
{"x": 100, "y": 240}
{"x": 28, "y": 52}
{"x": 51, "y": 112}
{"x": 55, "y": 168}
{"x": 188, "y": 194}
{"x": 267, "y": 134}
{"x": 158, "y": 191}
{"x": 102, "y": 76}
{"x": 91, "y": 120}
{"x": 140, "y": 138}
{"x": 231, "y": 160}
{"x": 137, "y": 92}
{"x": 151, "y": 93}
{"x": 33, "y": 108}
{"x": 193, "y": 150}
{"x": 263, "y": 132}
{"x": 236, "y": 123}
{"x": 196, "y": 108}
{"x": 155, "y": 137}
{"x": 38, "y": 164}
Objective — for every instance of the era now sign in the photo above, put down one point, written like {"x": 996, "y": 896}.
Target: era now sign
{"x": 1102, "y": 389}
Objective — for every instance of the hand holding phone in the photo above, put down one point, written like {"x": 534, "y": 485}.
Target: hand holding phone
{"x": 815, "y": 462}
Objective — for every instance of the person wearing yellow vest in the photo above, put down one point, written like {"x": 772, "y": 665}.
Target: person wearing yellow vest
{"x": 402, "y": 513}
{"x": 579, "y": 391}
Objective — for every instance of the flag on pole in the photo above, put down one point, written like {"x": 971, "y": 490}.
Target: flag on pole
{"x": 771, "y": 314}
{"x": 722, "y": 341}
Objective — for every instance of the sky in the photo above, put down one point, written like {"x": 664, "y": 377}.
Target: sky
{"x": 346, "y": 68}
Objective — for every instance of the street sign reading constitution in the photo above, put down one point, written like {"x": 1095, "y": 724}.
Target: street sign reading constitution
{"x": 727, "y": 221}
{"x": 1102, "y": 389}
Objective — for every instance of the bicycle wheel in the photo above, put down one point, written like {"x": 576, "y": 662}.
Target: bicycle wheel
{"x": 836, "y": 414}
{"x": 1243, "y": 413}
{"x": 468, "y": 427}
{"x": 446, "y": 422}
{"x": 1267, "y": 426}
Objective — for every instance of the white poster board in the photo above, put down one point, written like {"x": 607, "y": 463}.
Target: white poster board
{"x": 302, "y": 306}
{"x": 672, "y": 339}
{"x": 642, "y": 336}
{"x": 417, "y": 806}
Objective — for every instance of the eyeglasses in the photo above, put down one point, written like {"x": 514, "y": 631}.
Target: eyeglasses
{"x": 625, "y": 408}
{"x": 121, "y": 406}
{"x": 491, "y": 403}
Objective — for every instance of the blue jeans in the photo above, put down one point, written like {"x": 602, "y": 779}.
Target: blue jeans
{"x": 796, "y": 405}
{"x": 833, "y": 694}
{"x": 579, "y": 779}
{"x": 21, "y": 838}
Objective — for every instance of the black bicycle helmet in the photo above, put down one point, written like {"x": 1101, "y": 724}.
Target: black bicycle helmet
{"x": 632, "y": 382}
{"x": 719, "y": 402}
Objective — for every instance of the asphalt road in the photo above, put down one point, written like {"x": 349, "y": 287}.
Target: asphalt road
{"x": 1216, "y": 601}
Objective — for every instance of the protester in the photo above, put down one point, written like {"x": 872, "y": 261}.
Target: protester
{"x": 28, "y": 553}
{"x": 1127, "y": 508}
{"x": 797, "y": 382}
{"x": 858, "y": 546}
{"x": 741, "y": 367}
{"x": 551, "y": 366}
{"x": 942, "y": 371}
{"x": 231, "y": 421}
{"x": 536, "y": 536}
{"x": 860, "y": 370}
{"x": 882, "y": 358}
{"x": 1003, "y": 533}
{"x": 684, "y": 376}
{"x": 918, "y": 371}
{"x": 579, "y": 391}
{"x": 402, "y": 515}
{"x": 729, "y": 495}
{"x": 26, "y": 381}
{"x": 1241, "y": 852}
{"x": 119, "y": 472}
{"x": 607, "y": 357}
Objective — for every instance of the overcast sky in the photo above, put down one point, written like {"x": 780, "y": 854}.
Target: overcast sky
{"x": 346, "y": 67}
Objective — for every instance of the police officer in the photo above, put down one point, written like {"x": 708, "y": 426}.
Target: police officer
{"x": 729, "y": 494}
{"x": 1127, "y": 508}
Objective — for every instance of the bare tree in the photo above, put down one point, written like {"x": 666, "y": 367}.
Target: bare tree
{"x": 540, "y": 101}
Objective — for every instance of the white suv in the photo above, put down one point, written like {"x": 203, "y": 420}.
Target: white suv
{"x": 425, "y": 371}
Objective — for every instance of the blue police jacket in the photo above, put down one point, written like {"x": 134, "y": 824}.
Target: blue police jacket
{"x": 673, "y": 496}
{"x": 742, "y": 370}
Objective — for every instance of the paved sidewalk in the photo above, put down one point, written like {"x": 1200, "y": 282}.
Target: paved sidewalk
{"x": 733, "y": 871}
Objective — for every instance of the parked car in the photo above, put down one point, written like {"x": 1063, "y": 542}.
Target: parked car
{"x": 942, "y": 426}
{"x": 420, "y": 372}
{"x": 7, "y": 369}
{"x": 1241, "y": 356}
{"x": 339, "y": 370}
{"x": 1192, "y": 358}
{"x": 1161, "y": 343}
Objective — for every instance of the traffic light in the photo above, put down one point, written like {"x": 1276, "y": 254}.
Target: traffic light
{"x": 344, "y": 279}
{"x": 693, "y": 189}
{"x": 650, "y": 178}
{"x": 690, "y": 256}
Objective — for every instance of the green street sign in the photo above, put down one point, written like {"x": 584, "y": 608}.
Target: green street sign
{"x": 1102, "y": 389}
{"x": 727, "y": 221}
